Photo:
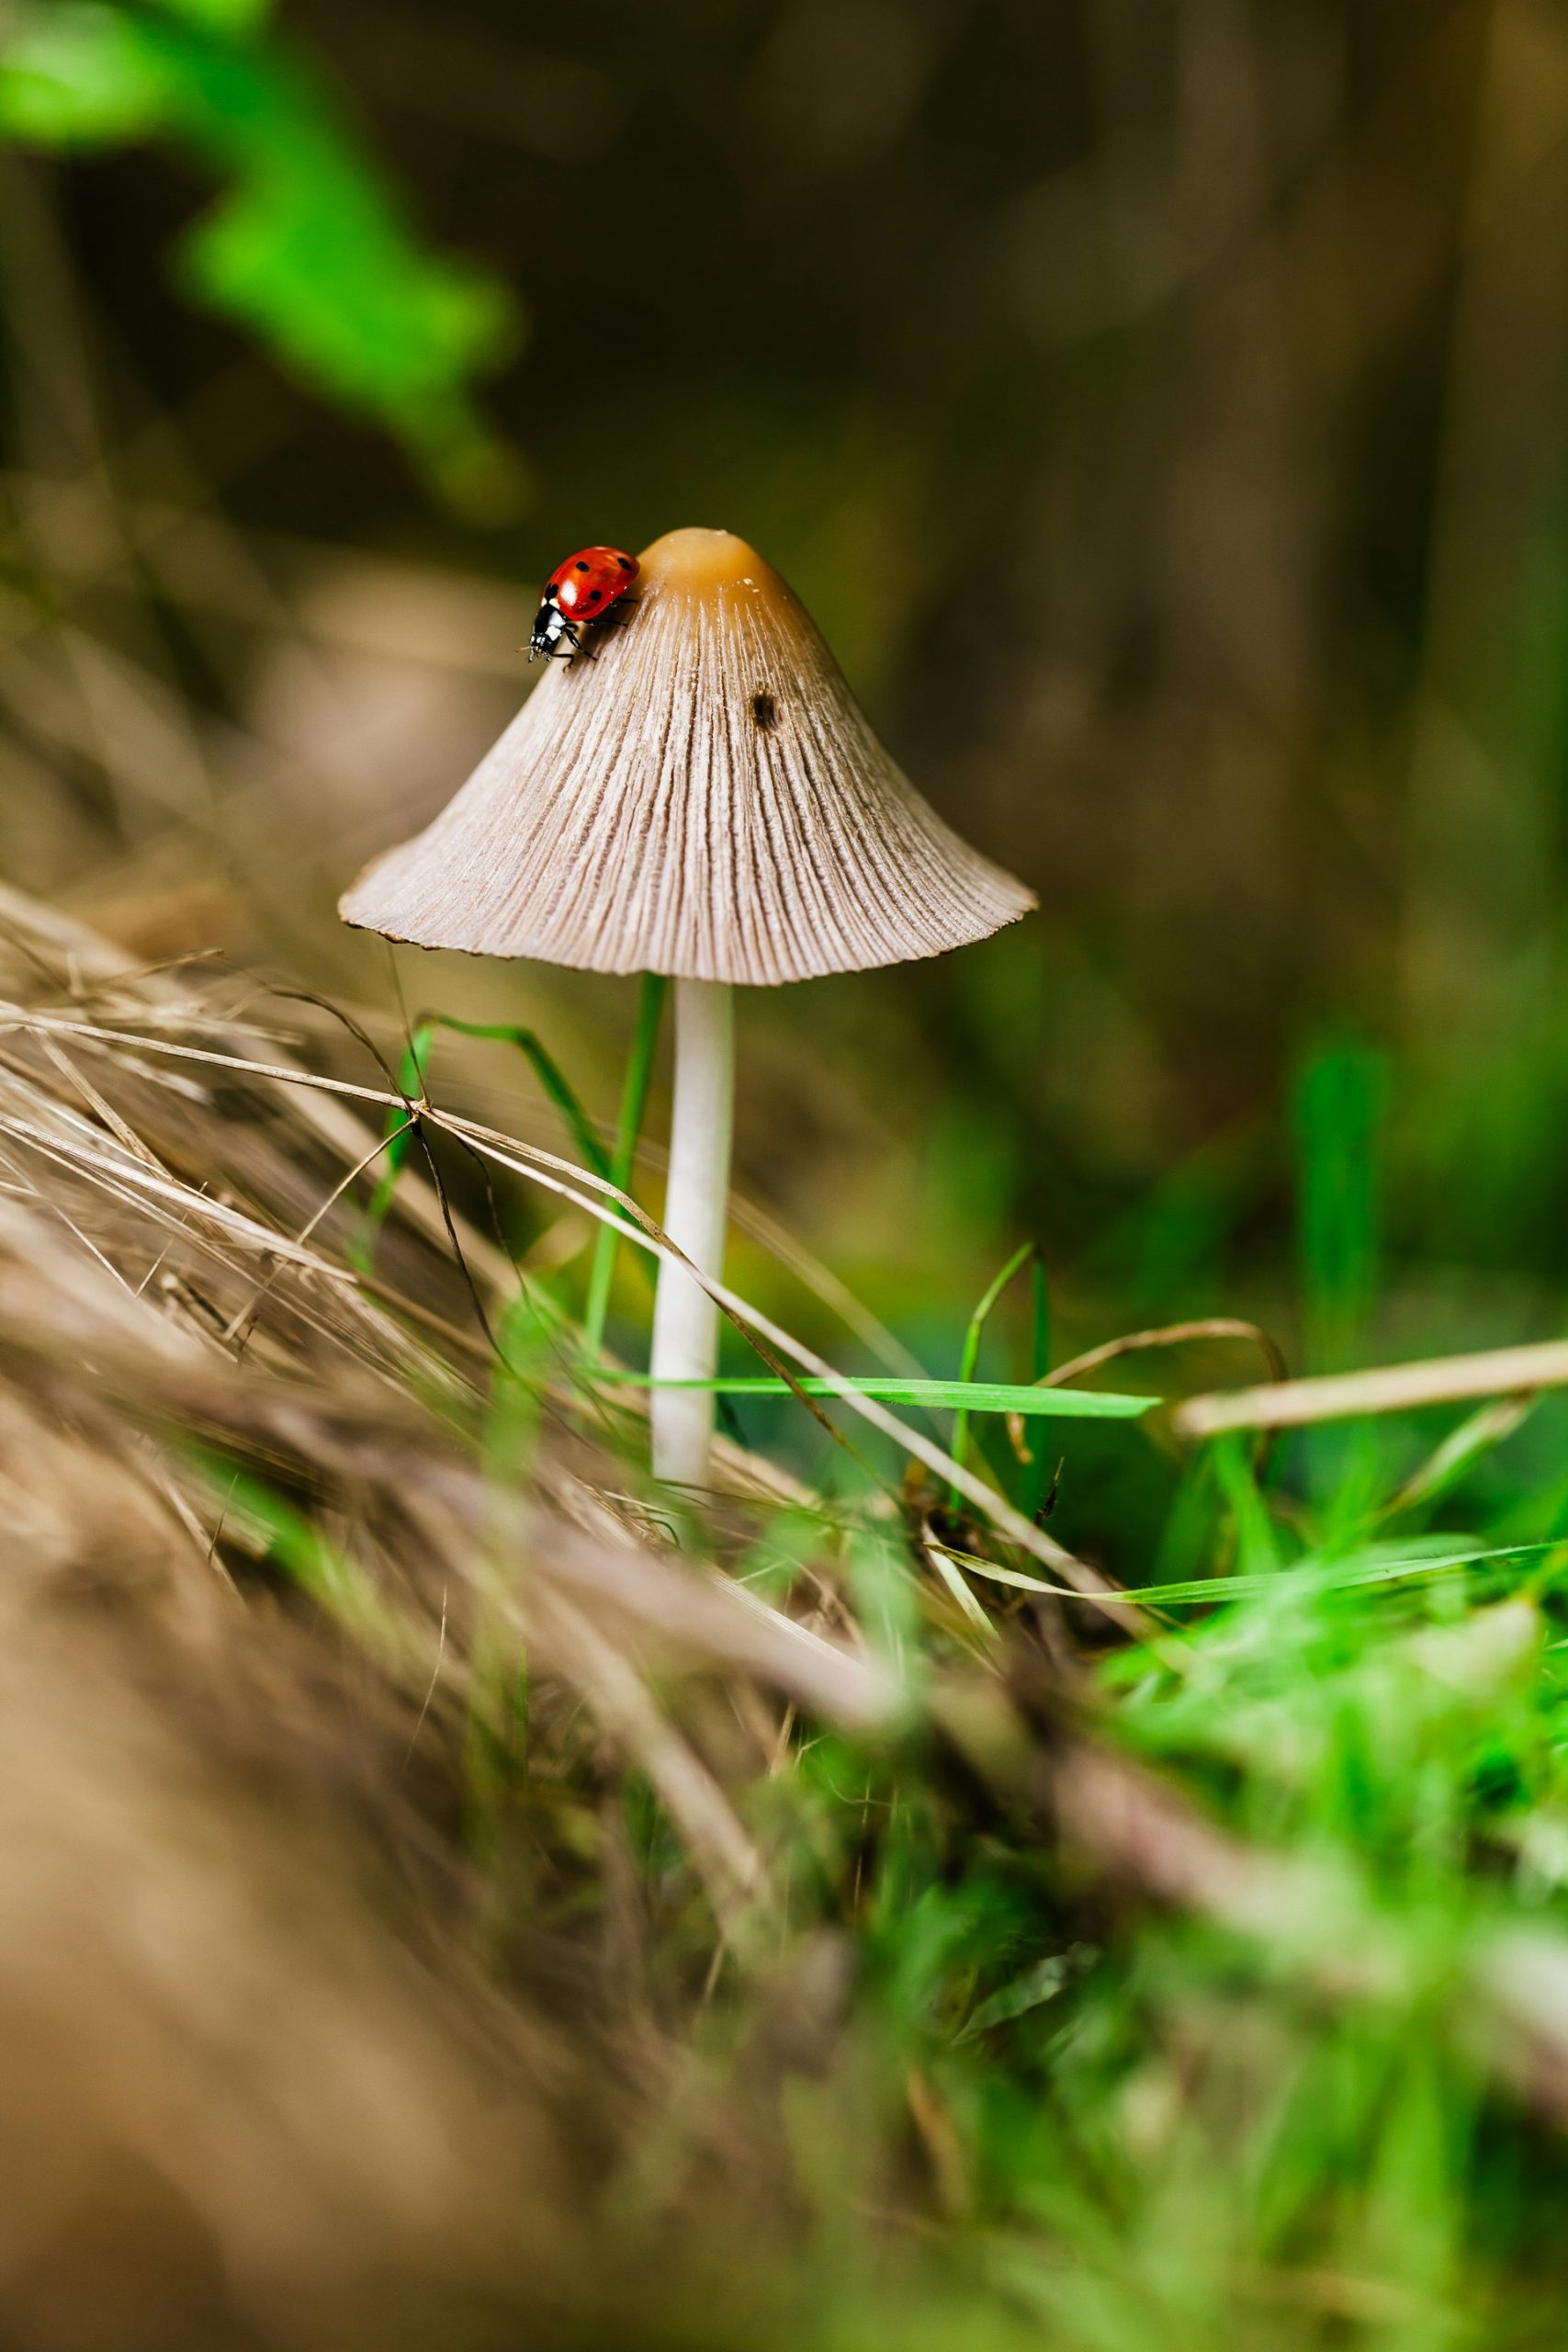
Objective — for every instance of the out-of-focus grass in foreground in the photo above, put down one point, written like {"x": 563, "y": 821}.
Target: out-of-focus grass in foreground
{"x": 820, "y": 1908}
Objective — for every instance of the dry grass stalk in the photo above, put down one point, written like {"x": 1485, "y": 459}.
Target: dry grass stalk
{"x": 260, "y": 2086}
{"x": 1389, "y": 1388}
{"x": 601, "y": 1201}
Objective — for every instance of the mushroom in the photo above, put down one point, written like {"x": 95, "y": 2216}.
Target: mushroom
{"x": 702, "y": 797}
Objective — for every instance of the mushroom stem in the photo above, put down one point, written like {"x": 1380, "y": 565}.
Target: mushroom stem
{"x": 685, "y": 1319}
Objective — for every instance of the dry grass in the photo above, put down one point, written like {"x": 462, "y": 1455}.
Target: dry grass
{"x": 399, "y": 1940}
{"x": 265, "y": 1609}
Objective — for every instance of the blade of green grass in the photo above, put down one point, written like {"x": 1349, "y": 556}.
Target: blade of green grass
{"x": 634, "y": 1104}
{"x": 1338, "y": 1111}
{"x": 970, "y": 1352}
{"x": 965, "y": 1396}
{"x": 1037, "y": 1473}
{"x": 551, "y": 1076}
{"x": 1337, "y": 1576}
{"x": 942, "y": 1563}
{"x": 1478, "y": 1435}
{"x": 397, "y": 1131}
{"x": 1040, "y": 1336}
{"x": 1338, "y": 1116}
{"x": 411, "y": 1074}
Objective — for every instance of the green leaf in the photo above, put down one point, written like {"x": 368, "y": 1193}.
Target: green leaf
{"x": 313, "y": 260}
{"x": 307, "y": 246}
{"x": 220, "y": 15}
{"x": 1036, "y": 1985}
{"x": 82, "y": 77}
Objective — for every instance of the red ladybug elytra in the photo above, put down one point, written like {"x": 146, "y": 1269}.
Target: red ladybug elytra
{"x": 580, "y": 590}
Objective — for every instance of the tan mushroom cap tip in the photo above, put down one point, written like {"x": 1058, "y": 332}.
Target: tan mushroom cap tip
{"x": 704, "y": 798}
{"x": 700, "y": 562}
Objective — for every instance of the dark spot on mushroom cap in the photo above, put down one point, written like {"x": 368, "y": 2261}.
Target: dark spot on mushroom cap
{"x": 764, "y": 709}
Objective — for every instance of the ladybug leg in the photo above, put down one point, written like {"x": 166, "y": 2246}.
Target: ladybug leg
{"x": 617, "y": 617}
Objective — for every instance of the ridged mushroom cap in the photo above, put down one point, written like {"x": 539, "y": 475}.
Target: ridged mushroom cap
{"x": 703, "y": 798}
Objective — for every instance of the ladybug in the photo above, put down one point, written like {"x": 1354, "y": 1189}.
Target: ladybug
{"x": 580, "y": 590}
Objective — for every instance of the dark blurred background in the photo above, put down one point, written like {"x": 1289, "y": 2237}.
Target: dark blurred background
{"x": 1162, "y": 407}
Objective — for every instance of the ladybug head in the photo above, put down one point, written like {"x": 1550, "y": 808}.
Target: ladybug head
{"x": 550, "y": 625}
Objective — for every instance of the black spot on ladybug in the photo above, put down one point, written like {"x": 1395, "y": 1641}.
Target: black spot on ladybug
{"x": 764, "y": 709}
{"x": 594, "y": 595}
{"x": 627, "y": 564}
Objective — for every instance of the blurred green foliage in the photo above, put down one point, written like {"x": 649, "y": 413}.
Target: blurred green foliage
{"x": 308, "y": 246}
{"x": 1338, "y": 1115}
{"x": 1257, "y": 2114}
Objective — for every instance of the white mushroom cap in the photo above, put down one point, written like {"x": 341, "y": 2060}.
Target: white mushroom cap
{"x": 704, "y": 797}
